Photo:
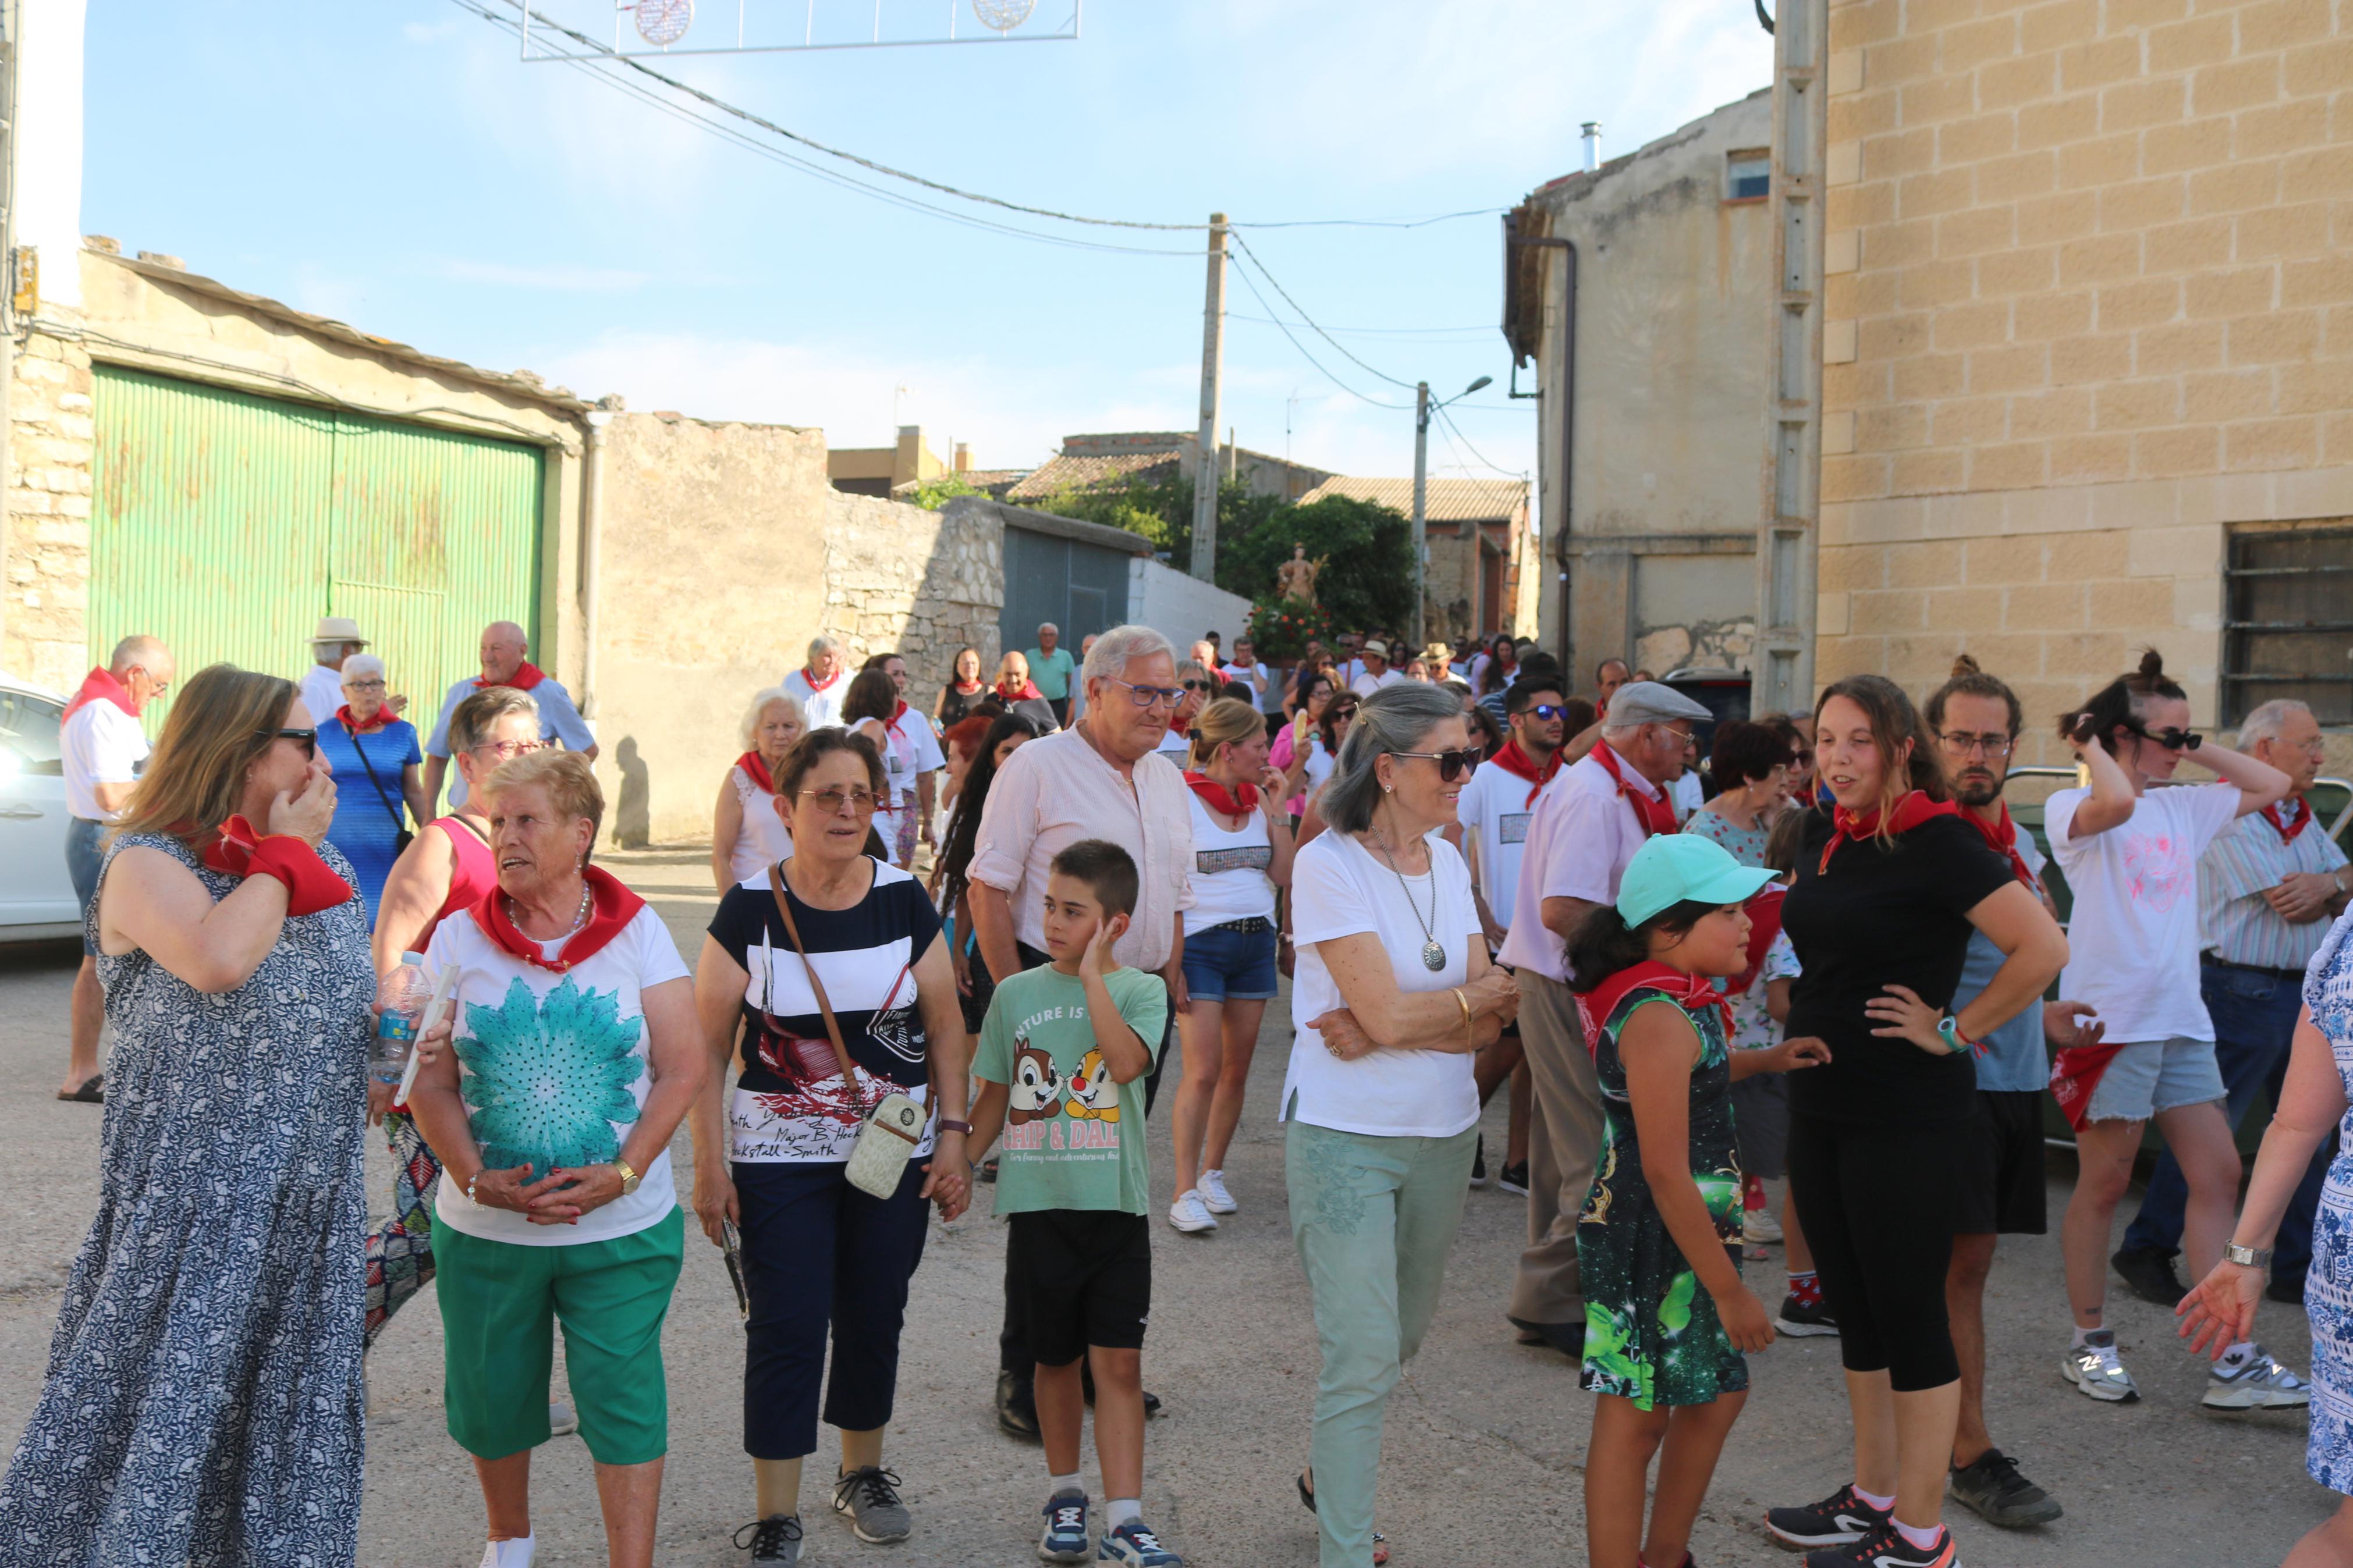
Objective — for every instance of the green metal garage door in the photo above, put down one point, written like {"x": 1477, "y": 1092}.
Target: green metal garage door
{"x": 228, "y": 524}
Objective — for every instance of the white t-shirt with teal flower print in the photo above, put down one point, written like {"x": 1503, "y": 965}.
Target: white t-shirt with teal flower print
{"x": 554, "y": 1071}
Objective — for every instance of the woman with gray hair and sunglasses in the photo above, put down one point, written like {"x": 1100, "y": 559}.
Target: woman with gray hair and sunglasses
{"x": 1393, "y": 996}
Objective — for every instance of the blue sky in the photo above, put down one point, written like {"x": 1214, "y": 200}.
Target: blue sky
{"x": 392, "y": 163}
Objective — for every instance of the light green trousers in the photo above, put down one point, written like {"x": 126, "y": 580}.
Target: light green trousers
{"x": 1373, "y": 1218}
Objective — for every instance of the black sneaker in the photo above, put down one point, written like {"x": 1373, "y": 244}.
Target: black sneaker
{"x": 1886, "y": 1548}
{"x": 2149, "y": 1270}
{"x": 1837, "y": 1519}
{"x": 776, "y": 1538}
{"x": 1479, "y": 1165}
{"x": 1799, "y": 1321}
{"x": 1991, "y": 1487}
{"x": 1514, "y": 1179}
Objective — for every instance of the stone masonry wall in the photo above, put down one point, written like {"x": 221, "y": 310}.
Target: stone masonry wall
{"x": 50, "y": 440}
{"x": 924, "y": 584}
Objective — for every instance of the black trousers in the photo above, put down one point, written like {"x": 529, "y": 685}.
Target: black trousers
{"x": 1013, "y": 1339}
{"x": 1878, "y": 1206}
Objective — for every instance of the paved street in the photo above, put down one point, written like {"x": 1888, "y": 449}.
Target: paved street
{"x": 1485, "y": 1439}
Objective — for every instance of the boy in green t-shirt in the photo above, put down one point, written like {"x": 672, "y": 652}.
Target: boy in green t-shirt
{"x": 1061, "y": 1058}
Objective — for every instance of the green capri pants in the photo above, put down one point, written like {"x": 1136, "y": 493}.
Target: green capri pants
{"x": 500, "y": 1304}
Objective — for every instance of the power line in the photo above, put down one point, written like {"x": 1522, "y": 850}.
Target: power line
{"x": 1244, "y": 274}
{"x": 1481, "y": 330}
{"x": 1310, "y": 321}
{"x": 1447, "y": 420}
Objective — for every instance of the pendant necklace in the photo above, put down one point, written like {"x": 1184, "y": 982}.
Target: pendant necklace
{"x": 1433, "y": 953}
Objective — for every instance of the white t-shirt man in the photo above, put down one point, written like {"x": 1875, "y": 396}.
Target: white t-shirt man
{"x": 553, "y": 1048}
{"x": 1339, "y": 888}
{"x": 2132, "y": 936}
{"x": 820, "y": 705}
{"x": 1688, "y": 793}
{"x": 322, "y": 691}
{"x": 1366, "y": 682}
{"x": 1496, "y": 806}
{"x": 100, "y": 745}
{"x": 1266, "y": 692}
{"x": 1583, "y": 836}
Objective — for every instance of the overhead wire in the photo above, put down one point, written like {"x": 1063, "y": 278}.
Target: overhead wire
{"x": 1310, "y": 321}
{"x": 1244, "y": 274}
{"x": 1446, "y": 419}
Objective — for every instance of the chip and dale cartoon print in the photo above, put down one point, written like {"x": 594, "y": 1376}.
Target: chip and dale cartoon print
{"x": 1040, "y": 1092}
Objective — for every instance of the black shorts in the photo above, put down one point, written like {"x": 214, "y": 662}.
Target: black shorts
{"x": 2001, "y": 1188}
{"x": 1086, "y": 1277}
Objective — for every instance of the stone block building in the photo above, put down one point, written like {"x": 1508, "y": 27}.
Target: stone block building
{"x": 2088, "y": 347}
{"x": 1479, "y": 578}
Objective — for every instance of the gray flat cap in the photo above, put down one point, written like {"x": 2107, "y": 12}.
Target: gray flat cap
{"x": 1651, "y": 702}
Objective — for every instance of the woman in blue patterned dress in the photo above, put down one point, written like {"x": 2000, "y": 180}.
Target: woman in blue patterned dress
{"x": 375, "y": 754}
{"x": 2221, "y": 1310}
{"x": 203, "y": 1404}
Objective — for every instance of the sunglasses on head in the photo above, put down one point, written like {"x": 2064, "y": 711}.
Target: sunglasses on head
{"x": 1451, "y": 765}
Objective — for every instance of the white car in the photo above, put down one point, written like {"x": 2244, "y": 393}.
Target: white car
{"x": 37, "y": 896}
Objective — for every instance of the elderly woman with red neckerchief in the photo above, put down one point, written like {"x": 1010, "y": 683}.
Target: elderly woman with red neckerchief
{"x": 375, "y": 753}
{"x": 747, "y": 827}
{"x": 575, "y": 1024}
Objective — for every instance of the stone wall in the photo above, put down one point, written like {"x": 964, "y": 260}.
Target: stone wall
{"x": 924, "y": 584}
{"x": 2089, "y": 310}
{"x": 50, "y": 440}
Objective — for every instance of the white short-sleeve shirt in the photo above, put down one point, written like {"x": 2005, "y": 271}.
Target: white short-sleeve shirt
{"x": 1496, "y": 807}
{"x": 1581, "y": 840}
{"x": 100, "y": 745}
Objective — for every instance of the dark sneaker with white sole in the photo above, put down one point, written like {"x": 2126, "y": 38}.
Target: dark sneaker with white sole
{"x": 1991, "y": 1487}
{"x": 1886, "y": 1548}
{"x": 1067, "y": 1539}
{"x": 1133, "y": 1544}
{"x": 1837, "y": 1519}
{"x": 776, "y": 1538}
{"x": 1479, "y": 1163}
{"x": 870, "y": 1496}
{"x": 1514, "y": 1179}
{"x": 1799, "y": 1320}
{"x": 2149, "y": 1272}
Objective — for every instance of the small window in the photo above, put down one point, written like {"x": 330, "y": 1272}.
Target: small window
{"x": 2290, "y": 632}
{"x": 1748, "y": 176}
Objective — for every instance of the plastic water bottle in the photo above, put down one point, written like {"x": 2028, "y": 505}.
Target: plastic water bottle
{"x": 402, "y": 995}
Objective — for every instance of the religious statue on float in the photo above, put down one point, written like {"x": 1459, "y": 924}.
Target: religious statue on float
{"x": 1295, "y": 580}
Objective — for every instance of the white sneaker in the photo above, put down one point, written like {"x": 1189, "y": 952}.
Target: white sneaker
{"x": 510, "y": 1553}
{"x": 1759, "y": 1228}
{"x": 1190, "y": 1215}
{"x": 562, "y": 1419}
{"x": 1214, "y": 1197}
{"x": 2093, "y": 1369}
{"x": 2258, "y": 1383}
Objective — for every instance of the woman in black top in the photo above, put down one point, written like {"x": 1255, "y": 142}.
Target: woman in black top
{"x": 1890, "y": 884}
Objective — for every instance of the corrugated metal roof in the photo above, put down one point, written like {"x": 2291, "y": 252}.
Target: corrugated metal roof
{"x": 1448, "y": 500}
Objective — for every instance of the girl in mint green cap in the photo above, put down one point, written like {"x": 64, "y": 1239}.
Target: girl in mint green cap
{"x": 1658, "y": 1244}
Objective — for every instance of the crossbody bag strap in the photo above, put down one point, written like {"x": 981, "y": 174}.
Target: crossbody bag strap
{"x": 399, "y": 823}
{"x": 824, "y": 1005}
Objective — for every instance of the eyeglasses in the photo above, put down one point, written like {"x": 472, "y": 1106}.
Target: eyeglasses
{"x": 508, "y": 751}
{"x": 363, "y": 686}
{"x": 830, "y": 800}
{"x": 1450, "y": 764}
{"x": 1548, "y": 710}
{"x": 1959, "y": 743}
{"x": 306, "y": 739}
{"x": 1149, "y": 695}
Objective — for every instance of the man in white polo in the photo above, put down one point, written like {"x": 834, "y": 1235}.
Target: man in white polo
{"x": 821, "y": 685}
{"x": 503, "y": 664}
{"x": 1588, "y": 821}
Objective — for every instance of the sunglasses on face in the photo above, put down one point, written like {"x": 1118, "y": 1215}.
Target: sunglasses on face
{"x": 2172, "y": 740}
{"x": 1451, "y": 765}
{"x": 1197, "y": 686}
{"x": 306, "y": 739}
{"x": 1548, "y": 710}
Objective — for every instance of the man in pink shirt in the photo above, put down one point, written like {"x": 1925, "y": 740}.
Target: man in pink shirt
{"x": 1587, "y": 825}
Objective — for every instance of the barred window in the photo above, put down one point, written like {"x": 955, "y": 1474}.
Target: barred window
{"x": 2290, "y": 631}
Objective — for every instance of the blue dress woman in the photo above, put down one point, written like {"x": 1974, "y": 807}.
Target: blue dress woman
{"x": 375, "y": 759}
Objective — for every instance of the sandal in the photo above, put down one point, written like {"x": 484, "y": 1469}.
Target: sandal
{"x": 93, "y": 1092}
{"x": 1381, "y": 1542}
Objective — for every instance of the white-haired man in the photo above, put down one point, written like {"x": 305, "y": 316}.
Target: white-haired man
{"x": 820, "y": 685}
{"x": 2268, "y": 887}
{"x": 1099, "y": 779}
{"x": 101, "y": 749}
{"x": 1051, "y": 669}
{"x": 1588, "y": 824}
{"x": 502, "y": 652}
{"x": 337, "y": 638}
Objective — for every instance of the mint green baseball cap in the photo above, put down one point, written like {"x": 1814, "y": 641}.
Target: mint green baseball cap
{"x": 1674, "y": 866}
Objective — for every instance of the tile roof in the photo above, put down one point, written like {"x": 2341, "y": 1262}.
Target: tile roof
{"x": 1448, "y": 500}
{"x": 1092, "y": 471}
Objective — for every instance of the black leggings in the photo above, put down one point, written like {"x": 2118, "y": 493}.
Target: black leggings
{"x": 1877, "y": 1208}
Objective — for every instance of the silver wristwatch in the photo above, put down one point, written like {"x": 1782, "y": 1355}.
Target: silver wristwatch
{"x": 2247, "y": 1257}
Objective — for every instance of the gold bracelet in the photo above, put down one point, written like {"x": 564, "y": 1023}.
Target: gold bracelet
{"x": 1470, "y": 1036}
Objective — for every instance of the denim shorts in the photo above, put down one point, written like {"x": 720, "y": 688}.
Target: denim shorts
{"x": 85, "y": 858}
{"x": 1221, "y": 964}
{"x": 2151, "y": 1076}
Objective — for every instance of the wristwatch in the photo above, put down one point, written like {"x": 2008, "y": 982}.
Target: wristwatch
{"x": 2247, "y": 1257}
{"x": 628, "y": 1177}
{"x": 1956, "y": 1042}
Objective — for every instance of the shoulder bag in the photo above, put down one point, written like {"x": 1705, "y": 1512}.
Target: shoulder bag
{"x": 887, "y": 1139}
{"x": 401, "y": 834}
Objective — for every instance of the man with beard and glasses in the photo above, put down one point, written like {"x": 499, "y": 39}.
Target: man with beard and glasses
{"x": 1975, "y": 719}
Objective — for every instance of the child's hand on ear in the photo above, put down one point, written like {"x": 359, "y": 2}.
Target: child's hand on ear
{"x": 1096, "y": 956}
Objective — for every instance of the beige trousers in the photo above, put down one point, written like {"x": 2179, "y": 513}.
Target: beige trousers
{"x": 1563, "y": 1141}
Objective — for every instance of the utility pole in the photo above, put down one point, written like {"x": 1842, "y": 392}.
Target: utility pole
{"x": 1206, "y": 467}
{"x": 1421, "y": 508}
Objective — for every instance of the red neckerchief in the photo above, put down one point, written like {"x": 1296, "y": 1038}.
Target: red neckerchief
{"x": 756, "y": 771}
{"x": 1694, "y": 994}
{"x": 1239, "y": 801}
{"x": 1179, "y": 726}
{"x": 963, "y": 690}
{"x": 2288, "y": 828}
{"x": 2075, "y": 1072}
{"x": 526, "y": 676}
{"x": 362, "y": 726}
{"x": 891, "y": 724}
{"x": 2002, "y": 836}
{"x": 100, "y": 685}
{"x": 1028, "y": 693}
{"x": 814, "y": 685}
{"x": 1907, "y": 813}
{"x": 311, "y": 884}
{"x": 1655, "y": 813}
{"x": 1514, "y": 759}
{"x": 611, "y": 908}
{"x": 1763, "y": 925}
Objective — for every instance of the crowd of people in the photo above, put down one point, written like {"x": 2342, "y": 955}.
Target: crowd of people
{"x": 958, "y": 947}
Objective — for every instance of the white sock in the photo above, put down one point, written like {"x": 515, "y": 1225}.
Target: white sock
{"x": 1124, "y": 1511}
{"x": 1923, "y": 1538}
{"x": 1882, "y": 1503}
{"x": 1057, "y": 1485}
{"x": 2082, "y": 1339}
{"x": 516, "y": 1552}
{"x": 2239, "y": 1352}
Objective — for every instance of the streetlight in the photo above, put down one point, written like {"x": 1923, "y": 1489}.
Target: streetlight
{"x": 1422, "y": 409}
